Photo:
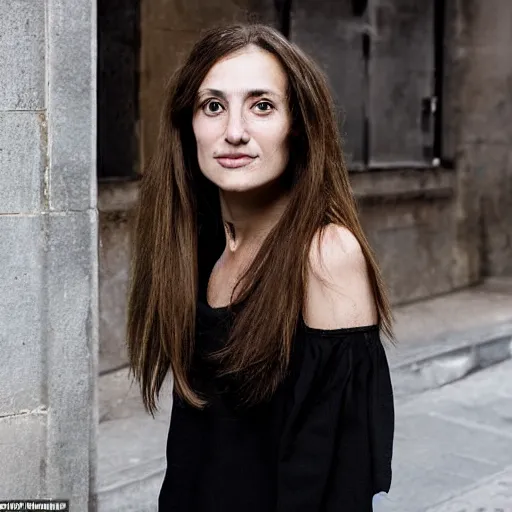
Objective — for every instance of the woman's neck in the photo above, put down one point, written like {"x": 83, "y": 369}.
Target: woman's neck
{"x": 249, "y": 217}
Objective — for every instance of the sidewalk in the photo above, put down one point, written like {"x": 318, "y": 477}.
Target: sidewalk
{"x": 439, "y": 341}
{"x": 443, "y": 339}
{"x": 453, "y": 447}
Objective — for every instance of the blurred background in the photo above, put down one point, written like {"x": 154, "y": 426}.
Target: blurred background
{"x": 424, "y": 93}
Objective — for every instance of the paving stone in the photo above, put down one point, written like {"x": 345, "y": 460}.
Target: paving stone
{"x": 451, "y": 440}
{"x": 494, "y": 495}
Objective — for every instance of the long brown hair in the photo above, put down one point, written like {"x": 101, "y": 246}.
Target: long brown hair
{"x": 178, "y": 227}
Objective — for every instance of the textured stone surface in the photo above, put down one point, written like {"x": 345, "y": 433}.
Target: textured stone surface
{"x": 72, "y": 104}
{"x": 21, "y": 316}
{"x": 48, "y": 249}
{"x": 413, "y": 240}
{"x": 140, "y": 496}
{"x": 198, "y": 14}
{"x": 22, "y": 55}
{"x": 116, "y": 203}
{"x": 71, "y": 291}
{"x": 398, "y": 184}
{"x": 114, "y": 266}
{"x": 484, "y": 40}
{"x": 23, "y": 143}
{"x": 72, "y": 296}
{"x": 22, "y": 453}
{"x": 131, "y": 446}
{"x": 479, "y": 133}
{"x": 461, "y": 317}
{"x": 119, "y": 396}
{"x": 493, "y": 495}
{"x": 451, "y": 440}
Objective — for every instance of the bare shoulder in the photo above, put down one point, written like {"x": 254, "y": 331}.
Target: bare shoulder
{"x": 339, "y": 292}
{"x": 337, "y": 246}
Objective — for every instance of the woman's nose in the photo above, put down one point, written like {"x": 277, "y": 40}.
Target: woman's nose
{"x": 236, "y": 130}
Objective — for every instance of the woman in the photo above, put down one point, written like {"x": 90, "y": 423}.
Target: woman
{"x": 253, "y": 282}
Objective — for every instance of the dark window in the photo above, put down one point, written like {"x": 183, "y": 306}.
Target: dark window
{"x": 118, "y": 54}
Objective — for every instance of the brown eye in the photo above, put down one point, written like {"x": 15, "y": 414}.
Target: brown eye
{"x": 212, "y": 107}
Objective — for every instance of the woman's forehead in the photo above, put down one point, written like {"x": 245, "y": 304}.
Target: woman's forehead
{"x": 250, "y": 69}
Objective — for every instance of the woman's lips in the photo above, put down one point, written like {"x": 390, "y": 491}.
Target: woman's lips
{"x": 234, "y": 162}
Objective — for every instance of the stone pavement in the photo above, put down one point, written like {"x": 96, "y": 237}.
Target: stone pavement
{"x": 492, "y": 495}
{"x": 440, "y": 341}
{"x": 453, "y": 447}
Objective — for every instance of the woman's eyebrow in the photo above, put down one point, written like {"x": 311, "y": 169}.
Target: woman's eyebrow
{"x": 255, "y": 93}
{"x": 252, "y": 93}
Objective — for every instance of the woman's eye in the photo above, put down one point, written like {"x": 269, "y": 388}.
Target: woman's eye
{"x": 213, "y": 107}
{"x": 264, "y": 106}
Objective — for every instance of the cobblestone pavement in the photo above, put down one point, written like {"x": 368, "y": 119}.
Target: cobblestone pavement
{"x": 453, "y": 447}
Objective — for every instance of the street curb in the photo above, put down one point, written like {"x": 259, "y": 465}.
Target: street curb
{"x": 468, "y": 354}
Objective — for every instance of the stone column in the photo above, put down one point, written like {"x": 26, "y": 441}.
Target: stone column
{"x": 478, "y": 113}
{"x": 48, "y": 250}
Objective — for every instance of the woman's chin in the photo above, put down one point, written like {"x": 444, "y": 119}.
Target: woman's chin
{"x": 241, "y": 184}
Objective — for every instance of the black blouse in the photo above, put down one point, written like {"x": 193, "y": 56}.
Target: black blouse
{"x": 323, "y": 443}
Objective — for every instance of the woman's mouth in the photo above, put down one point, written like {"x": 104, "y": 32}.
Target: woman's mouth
{"x": 234, "y": 161}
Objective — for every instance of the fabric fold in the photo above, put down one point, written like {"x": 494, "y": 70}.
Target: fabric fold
{"x": 336, "y": 444}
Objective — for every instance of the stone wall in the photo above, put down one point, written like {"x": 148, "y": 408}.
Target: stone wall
{"x": 408, "y": 216}
{"x": 48, "y": 250}
{"x": 478, "y": 118}
{"x": 116, "y": 203}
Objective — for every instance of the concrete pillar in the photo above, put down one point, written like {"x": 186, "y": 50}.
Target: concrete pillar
{"x": 48, "y": 250}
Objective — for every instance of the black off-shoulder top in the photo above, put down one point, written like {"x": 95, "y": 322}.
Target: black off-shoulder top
{"x": 323, "y": 443}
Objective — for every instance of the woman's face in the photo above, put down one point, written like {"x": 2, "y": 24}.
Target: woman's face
{"x": 241, "y": 121}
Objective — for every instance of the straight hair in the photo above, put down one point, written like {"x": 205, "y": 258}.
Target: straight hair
{"x": 178, "y": 232}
